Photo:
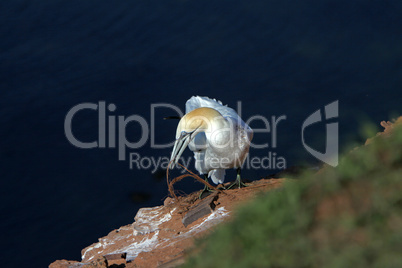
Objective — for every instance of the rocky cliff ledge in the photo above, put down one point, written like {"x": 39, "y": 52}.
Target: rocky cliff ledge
{"x": 160, "y": 236}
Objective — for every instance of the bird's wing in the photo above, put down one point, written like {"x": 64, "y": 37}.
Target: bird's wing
{"x": 197, "y": 102}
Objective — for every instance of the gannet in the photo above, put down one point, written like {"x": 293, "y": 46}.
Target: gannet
{"x": 216, "y": 134}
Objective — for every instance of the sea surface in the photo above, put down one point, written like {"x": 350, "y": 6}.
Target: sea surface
{"x": 269, "y": 58}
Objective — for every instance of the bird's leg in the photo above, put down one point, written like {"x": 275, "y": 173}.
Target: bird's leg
{"x": 206, "y": 188}
{"x": 238, "y": 180}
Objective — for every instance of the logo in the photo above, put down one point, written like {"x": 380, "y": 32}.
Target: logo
{"x": 111, "y": 134}
{"x": 331, "y": 147}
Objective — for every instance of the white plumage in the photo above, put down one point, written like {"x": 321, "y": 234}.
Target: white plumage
{"x": 216, "y": 134}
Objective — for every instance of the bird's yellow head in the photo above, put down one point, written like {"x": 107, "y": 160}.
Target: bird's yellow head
{"x": 199, "y": 119}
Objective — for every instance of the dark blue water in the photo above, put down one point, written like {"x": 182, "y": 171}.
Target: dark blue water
{"x": 277, "y": 57}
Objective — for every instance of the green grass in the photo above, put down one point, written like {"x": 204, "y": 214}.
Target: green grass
{"x": 348, "y": 216}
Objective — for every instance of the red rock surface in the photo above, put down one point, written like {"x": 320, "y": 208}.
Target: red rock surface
{"x": 158, "y": 237}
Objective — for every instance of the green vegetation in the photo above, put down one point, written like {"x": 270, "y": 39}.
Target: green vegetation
{"x": 349, "y": 216}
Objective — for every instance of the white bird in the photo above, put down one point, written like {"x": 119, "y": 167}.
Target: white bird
{"x": 216, "y": 134}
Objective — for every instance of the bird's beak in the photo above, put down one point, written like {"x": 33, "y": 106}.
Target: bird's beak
{"x": 179, "y": 146}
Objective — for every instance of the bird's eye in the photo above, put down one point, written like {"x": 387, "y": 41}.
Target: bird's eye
{"x": 183, "y": 133}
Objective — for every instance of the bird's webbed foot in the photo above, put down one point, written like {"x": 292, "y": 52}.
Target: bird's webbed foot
{"x": 238, "y": 183}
